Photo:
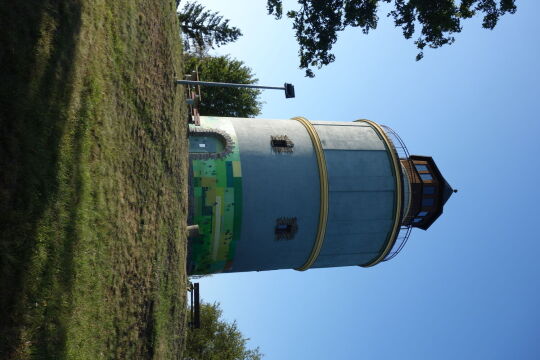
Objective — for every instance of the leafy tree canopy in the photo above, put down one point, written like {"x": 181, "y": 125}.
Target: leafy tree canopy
{"x": 318, "y": 22}
{"x": 224, "y": 101}
{"x": 203, "y": 29}
{"x": 217, "y": 339}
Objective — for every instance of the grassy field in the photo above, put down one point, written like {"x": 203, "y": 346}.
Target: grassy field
{"x": 92, "y": 180}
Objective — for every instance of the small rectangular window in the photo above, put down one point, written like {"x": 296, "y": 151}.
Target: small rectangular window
{"x": 427, "y": 201}
{"x": 429, "y": 190}
{"x": 285, "y": 228}
{"x": 422, "y": 213}
{"x": 421, "y": 167}
{"x": 281, "y": 143}
{"x": 416, "y": 220}
{"x": 426, "y": 176}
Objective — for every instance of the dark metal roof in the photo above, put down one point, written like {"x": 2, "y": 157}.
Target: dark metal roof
{"x": 447, "y": 192}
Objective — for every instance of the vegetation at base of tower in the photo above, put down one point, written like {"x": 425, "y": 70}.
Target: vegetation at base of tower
{"x": 93, "y": 176}
{"x": 203, "y": 29}
{"x": 225, "y": 101}
{"x": 432, "y": 22}
{"x": 217, "y": 339}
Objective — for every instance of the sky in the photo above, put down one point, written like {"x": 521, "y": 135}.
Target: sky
{"x": 469, "y": 286}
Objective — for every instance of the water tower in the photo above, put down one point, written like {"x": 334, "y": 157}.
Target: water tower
{"x": 299, "y": 194}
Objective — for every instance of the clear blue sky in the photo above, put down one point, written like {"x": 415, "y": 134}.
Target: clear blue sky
{"x": 469, "y": 286}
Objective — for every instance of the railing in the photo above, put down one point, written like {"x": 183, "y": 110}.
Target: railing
{"x": 401, "y": 240}
{"x": 405, "y": 230}
{"x": 399, "y": 145}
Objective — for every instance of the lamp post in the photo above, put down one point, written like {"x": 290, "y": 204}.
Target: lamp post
{"x": 288, "y": 88}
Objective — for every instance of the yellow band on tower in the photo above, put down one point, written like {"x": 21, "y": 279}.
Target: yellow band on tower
{"x": 323, "y": 180}
{"x": 391, "y": 240}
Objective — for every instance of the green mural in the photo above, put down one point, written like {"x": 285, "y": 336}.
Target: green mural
{"x": 217, "y": 194}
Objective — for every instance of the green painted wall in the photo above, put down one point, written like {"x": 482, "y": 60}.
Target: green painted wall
{"x": 217, "y": 205}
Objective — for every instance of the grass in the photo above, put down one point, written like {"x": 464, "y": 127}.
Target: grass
{"x": 93, "y": 165}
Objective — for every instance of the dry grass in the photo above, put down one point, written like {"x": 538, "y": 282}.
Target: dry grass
{"x": 93, "y": 180}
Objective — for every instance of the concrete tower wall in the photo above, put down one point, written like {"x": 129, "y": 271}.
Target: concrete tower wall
{"x": 361, "y": 193}
{"x": 275, "y": 185}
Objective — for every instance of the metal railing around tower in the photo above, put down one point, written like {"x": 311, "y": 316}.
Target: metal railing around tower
{"x": 399, "y": 145}
{"x": 401, "y": 240}
{"x": 406, "y": 228}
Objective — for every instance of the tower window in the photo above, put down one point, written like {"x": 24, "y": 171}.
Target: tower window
{"x": 421, "y": 167}
{"x": 427, "y": 202}
{"x": 281, "y": 143}
{"x": 285, "y": 228}
{"x": 426, "y": 176}
{"x": 207, "y": 143}
{"x": 422, "y": 213}
{"x": 281, "y": 228}
{"x": 429, "y": 190}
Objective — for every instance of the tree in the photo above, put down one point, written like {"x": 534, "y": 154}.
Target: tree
{"x": 224, "y": 101}
{"x": 203, "y": 29}
{"x": 217, "y": 339}
{"x": 317, "y": 22}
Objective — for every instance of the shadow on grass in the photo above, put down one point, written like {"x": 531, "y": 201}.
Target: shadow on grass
{"x": 37, "y": 48}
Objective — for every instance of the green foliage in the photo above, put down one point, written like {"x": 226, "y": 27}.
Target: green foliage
{"x": 217, "y": 339}
{"x": 203, "y": 29}
{"x": 318, "y": 22}
{"x": 225, "y": 101}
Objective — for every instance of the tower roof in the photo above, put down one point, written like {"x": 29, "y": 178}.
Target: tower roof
{"x": 444, "y": 191}
{"x": 447, "y": 192}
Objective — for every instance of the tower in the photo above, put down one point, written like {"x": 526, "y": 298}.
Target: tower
{"x": 295, "y": 194}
